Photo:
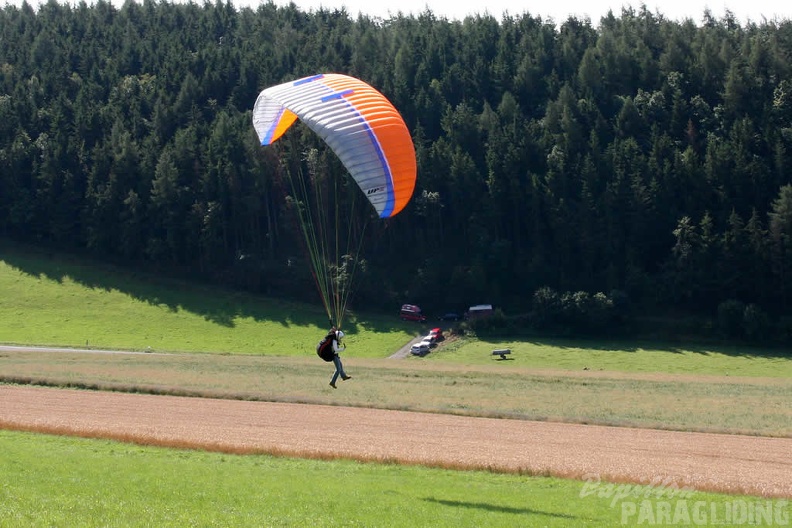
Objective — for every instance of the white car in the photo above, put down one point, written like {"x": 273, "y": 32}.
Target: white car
{"x": 420, "y": 349}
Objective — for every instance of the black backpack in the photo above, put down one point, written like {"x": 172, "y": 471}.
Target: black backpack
{"x": 325, "y": 347}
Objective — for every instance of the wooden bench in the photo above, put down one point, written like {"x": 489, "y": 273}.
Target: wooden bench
{"x": 502, "y": 352}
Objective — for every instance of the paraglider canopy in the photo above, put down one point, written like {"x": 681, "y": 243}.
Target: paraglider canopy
{"x": 373, "y": 143}
{"x": 358, "y": 123}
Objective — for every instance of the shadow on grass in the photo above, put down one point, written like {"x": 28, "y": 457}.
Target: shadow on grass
{"x": 217, "y": 305}
{"x": 496, "y": 508}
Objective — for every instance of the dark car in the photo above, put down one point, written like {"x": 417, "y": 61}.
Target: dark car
{"x": 450, "y": 316}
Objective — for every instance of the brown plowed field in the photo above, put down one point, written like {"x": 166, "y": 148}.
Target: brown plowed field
{"x": 732, "y": 463}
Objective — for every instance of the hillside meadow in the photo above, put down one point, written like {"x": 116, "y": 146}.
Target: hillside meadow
{"x": 180, "y": 338}
{"x": 56, "y": 299}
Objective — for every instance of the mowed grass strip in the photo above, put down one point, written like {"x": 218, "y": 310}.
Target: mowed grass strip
{"x": 757, "y": 406}
{"x": 61, "y": 481}
{"x": 619, "y": 356}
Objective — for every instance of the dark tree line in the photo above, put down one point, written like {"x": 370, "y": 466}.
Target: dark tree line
{"x": 641, "y": 155}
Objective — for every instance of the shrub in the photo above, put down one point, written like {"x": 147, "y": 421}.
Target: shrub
{"x": 495, "y": 322}
{"x": 575, "y": 307}
{"x": 620, "y": 303}
{"x": 730, "y": 317}
{"x": 546, "y": 308}
{"x": 601, "y": 311}
{"x": 578, "y": 312}
{"x": 784, "y": 328}
{"x": 756, "y": 323}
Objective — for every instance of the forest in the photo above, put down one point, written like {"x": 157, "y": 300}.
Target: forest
{"x": 637, "y": 159}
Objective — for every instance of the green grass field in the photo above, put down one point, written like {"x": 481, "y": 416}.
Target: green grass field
{"x": 615, "y": 356}
{"x": 60, "y": 300}
{"x": 59, "y": 481}
{"x": 226, "y": 344}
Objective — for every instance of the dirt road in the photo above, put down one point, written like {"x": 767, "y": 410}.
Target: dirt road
{"x": 752, "y": 465}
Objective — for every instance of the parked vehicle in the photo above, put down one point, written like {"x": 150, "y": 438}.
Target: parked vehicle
{"x": 450, "y": 316}
{"x": 411, "y": 312}
{"x": 420, "y": 349}
{"x": 479, "y": 310}
{"x": 436, "y": 334}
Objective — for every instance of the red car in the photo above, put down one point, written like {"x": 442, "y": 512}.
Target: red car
{"x": 436, "y": 333}
{"x": 410, "y": 312}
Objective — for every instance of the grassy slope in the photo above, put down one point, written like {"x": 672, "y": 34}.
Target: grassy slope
{"x": 57, "y": 300}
